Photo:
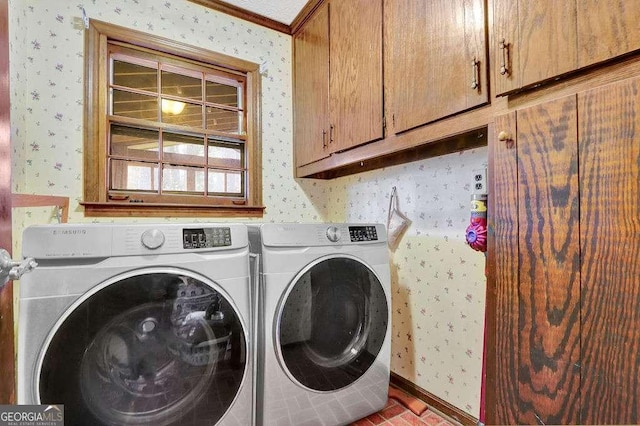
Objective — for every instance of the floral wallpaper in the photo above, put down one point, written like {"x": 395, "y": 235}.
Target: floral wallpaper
{"x": 47, "y": 43}
{"x": 438, "y": 282}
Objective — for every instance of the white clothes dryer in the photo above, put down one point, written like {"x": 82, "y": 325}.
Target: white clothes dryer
{"x": 324, "y": 333}
{"x": 145, "y": 324}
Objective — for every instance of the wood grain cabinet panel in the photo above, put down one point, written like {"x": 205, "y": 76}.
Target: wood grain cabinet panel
{"x": 504, "y": 224}
{"x": 355, "y": 83}
{"x": 537, "y": 239}
{"x": 338, "y": 91}
{"x": 311, "y": 89}
{"x": 435, "y": 59}
{"x": 534, "y": 40}
{"x": 610, "y": 245}
{"x": 607, "y": 29}
{"x": 549, "y": 253}
{"x": 567, "y": 260}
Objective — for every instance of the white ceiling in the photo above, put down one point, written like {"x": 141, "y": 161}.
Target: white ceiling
{"x": 283, "y": 11}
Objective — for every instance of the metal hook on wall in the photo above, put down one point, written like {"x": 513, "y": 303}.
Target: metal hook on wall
{"x": 59, "y": 212}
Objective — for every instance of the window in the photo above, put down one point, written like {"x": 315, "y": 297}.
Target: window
{"x": 170, "y": 129}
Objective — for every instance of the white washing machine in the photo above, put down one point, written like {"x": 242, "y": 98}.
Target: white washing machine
{"x": 324, "y": 332}
{"x": 143, "y": 324}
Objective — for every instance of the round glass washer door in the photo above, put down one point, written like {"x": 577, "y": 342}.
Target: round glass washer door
{"x": 155, "y": 348}
{"x": 331, "y": 324}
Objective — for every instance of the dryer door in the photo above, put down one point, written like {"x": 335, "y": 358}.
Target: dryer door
{"x": 331, "y": 323}
{"x": 149, "y": 349}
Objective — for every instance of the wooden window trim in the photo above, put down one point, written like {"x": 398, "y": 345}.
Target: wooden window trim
{"x": 95, "y": 202}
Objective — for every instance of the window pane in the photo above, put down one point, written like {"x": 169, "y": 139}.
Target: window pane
{"x": 199, "y": 183}
{"x": 182, "y": 179}
{"x": 223, "y": 120}
{"x": 225, "y": 155}
{"x": 223, "y": 94}
{"x": 222, "y": 181}
{"x": 181, "y": 85}
{"x": 133, "y": 105}
{"x": 183, "y": 149}
{"x": 135, "y": 76}
{"x": 183, "y": 114}
{"x": 134, "y": 175}
{"x": 131, "y": 142}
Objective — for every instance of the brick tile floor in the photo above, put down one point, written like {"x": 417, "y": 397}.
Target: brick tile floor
{"x": 396, "y": 414}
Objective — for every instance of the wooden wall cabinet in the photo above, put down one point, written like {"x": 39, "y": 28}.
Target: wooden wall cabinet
{"x": 538, "y": 40}
{"x": 606, "y": 29}
{"x": 435, "y": 59}
{"x": 355, "y": 83}
{"x": 338, "y": 94}
{"x": 311, "y": 89}
{"x": 566, "y": 224}
{"x": 435, "y": 91}
{"x": 533, "y": 40}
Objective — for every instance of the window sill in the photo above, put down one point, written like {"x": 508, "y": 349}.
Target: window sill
{"x": 97, "y": 209}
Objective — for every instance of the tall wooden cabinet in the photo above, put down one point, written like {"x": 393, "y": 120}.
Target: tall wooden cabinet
{"x": 566, "y": 224}
{"x": 435, "y": 59}
{"x": 609, "y": 169}
{"x": 338, "y": 79}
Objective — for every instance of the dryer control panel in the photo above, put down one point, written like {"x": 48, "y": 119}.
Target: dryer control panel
{"x": 193, "y": 238}
{"x": 320, "y": 234}
{"x": 363, "y": 233}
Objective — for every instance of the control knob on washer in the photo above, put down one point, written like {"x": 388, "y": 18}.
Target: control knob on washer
{"x": 333, "y": 234}
{"x": 152, "y": 238}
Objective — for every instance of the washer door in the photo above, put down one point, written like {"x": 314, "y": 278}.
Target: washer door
{"x": 154, "y": 349}
{"x": 331, "y": 324}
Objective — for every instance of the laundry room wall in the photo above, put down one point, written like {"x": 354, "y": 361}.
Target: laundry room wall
{"x": 438, "y": 281}
{"x": 47, "y": 66}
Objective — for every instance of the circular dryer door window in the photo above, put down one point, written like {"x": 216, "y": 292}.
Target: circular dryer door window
{"x": 332, "y": 324}
{"x": 150, "y": 349}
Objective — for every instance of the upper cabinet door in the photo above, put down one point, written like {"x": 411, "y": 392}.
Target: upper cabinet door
{"x": 435, "y": 59}
{"x": 607, "y": 29}
{"x": 311, "y": 89}
{"x": 548, "y": 39}
{"x": 535, "y": 40}
{"x": 356, "y": 113}
{"x": 506, "y": 46}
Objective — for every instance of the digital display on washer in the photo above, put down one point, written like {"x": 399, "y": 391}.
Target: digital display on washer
{"x": 195, "y": 238}
{"x": 363, "y": 233}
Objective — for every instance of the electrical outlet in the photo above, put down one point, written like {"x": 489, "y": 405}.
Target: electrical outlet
{"x": 479, "y": 184}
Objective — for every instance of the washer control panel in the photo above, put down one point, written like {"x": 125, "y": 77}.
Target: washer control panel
{"x": 194, "y": 238}
{"x": 363, "y": 233}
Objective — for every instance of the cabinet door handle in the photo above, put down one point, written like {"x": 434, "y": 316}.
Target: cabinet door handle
{"x": 475, "y": 65}
{"x": 331, "y": 133}
{"x": 504, "y": 47}
{"x": 324, "y": 138}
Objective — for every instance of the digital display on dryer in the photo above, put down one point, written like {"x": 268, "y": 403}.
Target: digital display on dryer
{"x": 195, "y": 238}
{"x": 363, "y": 233}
